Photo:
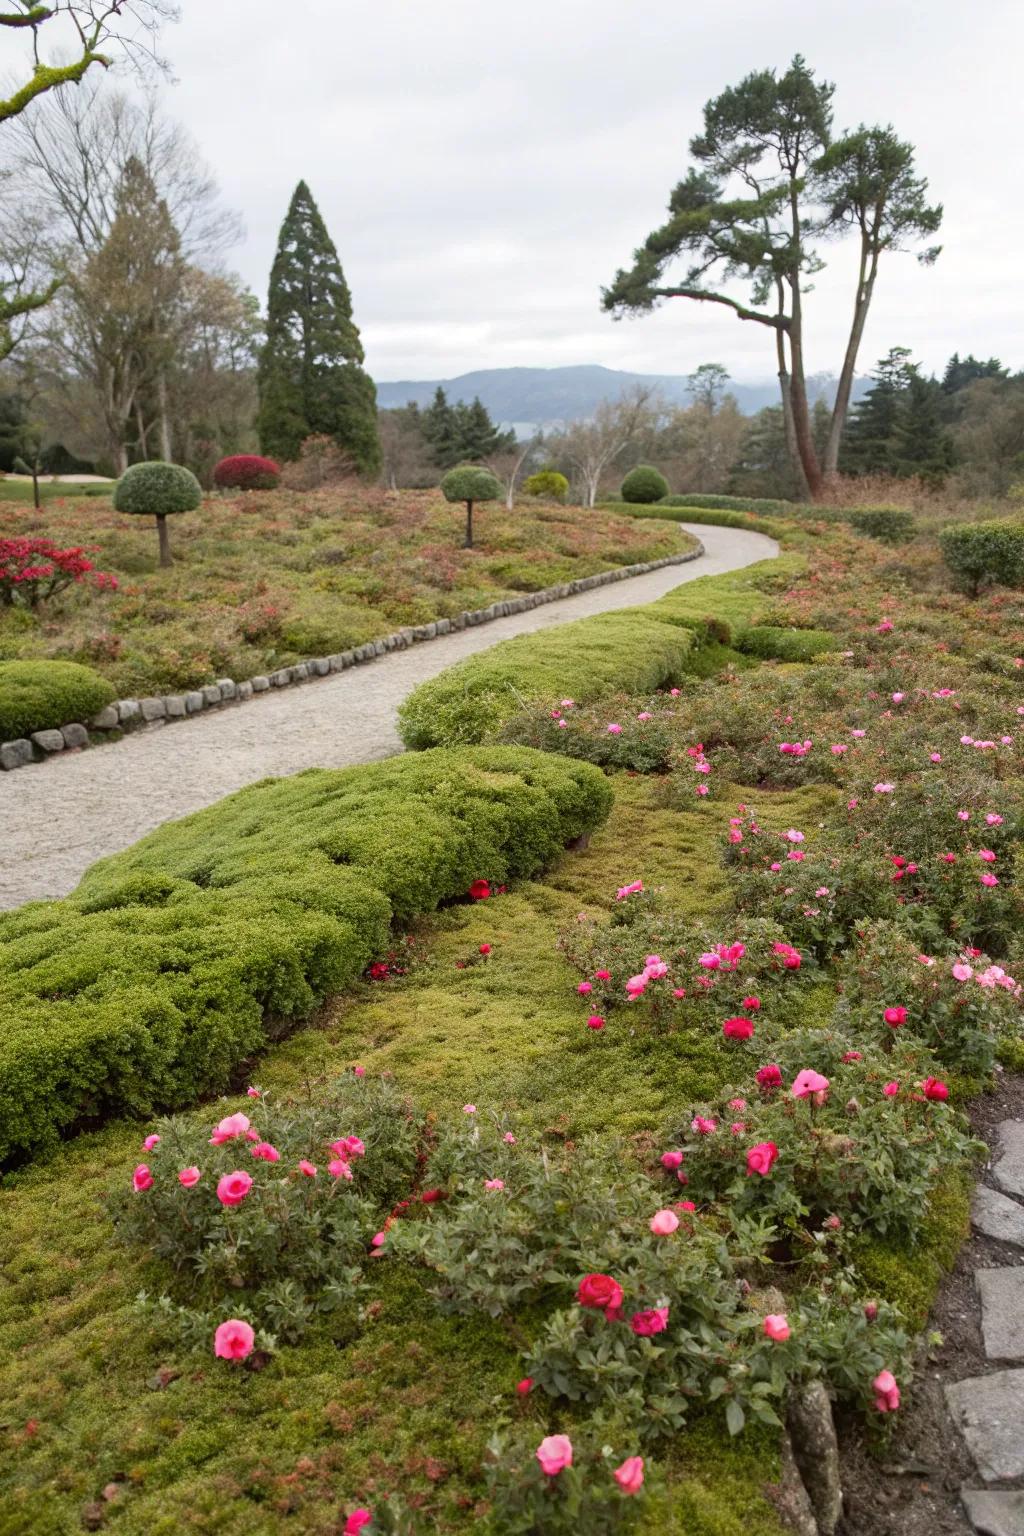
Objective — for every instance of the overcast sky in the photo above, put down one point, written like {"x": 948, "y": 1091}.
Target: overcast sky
{"x": 484, "y": 169}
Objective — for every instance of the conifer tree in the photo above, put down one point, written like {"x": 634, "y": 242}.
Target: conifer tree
{"x": 480, "y": 438}
{"x": 920, "y": 443}
{"x": 867, "y": 447}
{"x": 311, "y": 378}
{"x": 441, "y": 430}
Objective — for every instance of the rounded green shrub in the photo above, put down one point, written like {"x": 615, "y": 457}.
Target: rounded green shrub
{"x": 468, "y": 482}
{"x": 890, "y": 525}
{"x": 983, "y": 554}
{"x": 43, "y": 695}
{"x": 644, "y": 485}
{"x": 547, "y": 482}
{"x": 156, "y": 489}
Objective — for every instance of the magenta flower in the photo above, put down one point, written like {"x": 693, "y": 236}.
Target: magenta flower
{"x": 648, "y": 1323}
{"x": 887, "y": 1393}
{"x": 189, "y": 1177}
{"x": 776, "y": 1326}
{"x": 663, "y": 1223}
{"x": 151, "y": 1142}
{"x": 554, "y": 1454}
{"x": 227, "y": 1130}
{"x": 142, "y": 1179}
{"x": 703, "y": 1125}
{"x": 808, "y": 1082}
{"x": 761, "y": 1159}
{"x": 671, "y": 1159}
{"x": 233, "y": 1340}
{"x": 233, "y": 1188}
{"x": 615, "y": 730}
{"x": 630, "y": 1476}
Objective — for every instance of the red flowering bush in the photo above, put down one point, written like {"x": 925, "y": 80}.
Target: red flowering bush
{"x": 247, "y": 472}
{"x": 32, "y": 571}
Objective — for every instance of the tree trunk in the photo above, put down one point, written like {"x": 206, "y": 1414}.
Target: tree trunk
{"x": 469, "y": 525}
{"x": 803, "y": 490}
{"x": 35, "y": 486}
{"x": 165, "y": 420}
{"x": 798, "y": 387}
{"x": 165, "y": 543}
{"x": 865, "y": 289}
{"x": 121, "y": 458}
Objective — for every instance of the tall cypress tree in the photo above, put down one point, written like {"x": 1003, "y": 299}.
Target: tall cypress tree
{"x": 311, "y": 378}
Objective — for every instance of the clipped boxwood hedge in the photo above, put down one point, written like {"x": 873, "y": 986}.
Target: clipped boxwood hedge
{"x": 772, "y": 643}
{"x": 174, "y": 961}
{"x": 983, "y": 554}
{"x": 633, "y": 650}
{"x": 732, "y": 503}
{"x": 41, "y": 695}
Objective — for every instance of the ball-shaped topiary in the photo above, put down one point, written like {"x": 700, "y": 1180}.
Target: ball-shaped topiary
{"x": 247, "y": 472}
{"x": 470, "y": 483}
{"x": 44, "y": 695}
{"x": 644, "y": 485}
{"x": 547, "y": 482}
{"x": 156, "y": 489}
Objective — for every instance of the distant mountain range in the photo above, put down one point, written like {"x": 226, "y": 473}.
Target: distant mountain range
{"x": 538, "y": 397}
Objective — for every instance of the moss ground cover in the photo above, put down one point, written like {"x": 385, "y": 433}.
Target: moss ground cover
{"x": 264, "y": 579}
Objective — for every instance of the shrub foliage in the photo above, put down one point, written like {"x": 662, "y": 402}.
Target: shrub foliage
{"x": 985, "y": 554}
{"x": 155, "y": 489}
{"x": 247, "y": 472}
{"x": 41, "y": 695}
{"x": 644, "y": 484}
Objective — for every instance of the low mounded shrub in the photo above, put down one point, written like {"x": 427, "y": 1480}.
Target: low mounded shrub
{"x": 247, "y": 472}
{"x": 174, "y": 961}
{"x": 32, "y": 571}
{"x": 984, "y": 554}
{"x": 644, "y": 484}
{"x": 547, "y": 482}
{"x": 635, "y": 650}
{"x": 770, "y": 643}
{"x": 891, "y": 525}
{"x": 42, "y": 695}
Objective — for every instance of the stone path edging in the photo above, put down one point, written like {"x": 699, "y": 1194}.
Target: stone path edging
{"x": 132, "y": 714}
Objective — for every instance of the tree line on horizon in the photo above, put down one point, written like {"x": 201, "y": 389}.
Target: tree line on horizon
{"x": 124, "y": 337}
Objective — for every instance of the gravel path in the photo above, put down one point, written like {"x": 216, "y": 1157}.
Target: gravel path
{"x": 63, "y": 814}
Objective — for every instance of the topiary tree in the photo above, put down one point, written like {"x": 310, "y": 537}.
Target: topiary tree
{"x": 644, "y": 485}
{"x": 547, "y": 482}
{"x": 155, "y": 489}
{"x": 247, "y": 472}
{"x": 470, "y": 483}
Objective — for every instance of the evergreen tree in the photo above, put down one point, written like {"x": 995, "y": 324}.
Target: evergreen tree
{"x": 867, "y": 444}
{"x": 920, "y": 443}
{"x": 441, "y": 430}
{"x": 479, "y": 438}
{"x": 963, "y": 371}
{"x": 311, "y": 378}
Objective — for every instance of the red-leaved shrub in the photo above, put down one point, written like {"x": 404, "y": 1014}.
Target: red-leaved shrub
{"x": 32, "y": 570}
{"x": 247, "y": 472}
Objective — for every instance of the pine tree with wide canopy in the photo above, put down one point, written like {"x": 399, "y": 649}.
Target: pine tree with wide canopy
{"x": 311, "y": 378}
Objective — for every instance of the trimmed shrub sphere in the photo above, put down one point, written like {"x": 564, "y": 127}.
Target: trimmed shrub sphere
{"x": 247, "y": 472}
{"x": 468, "y": 482}
{"x": 644, "y": 484}
{"x": 155, "y": 489}
{"x": 43, "y": 695}
{"x": 983, "y": 554}
{"x": 547, "y": 482}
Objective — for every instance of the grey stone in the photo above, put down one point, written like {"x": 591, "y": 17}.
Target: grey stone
{"x": 348, "y": 658}
{"x": 227, "y": 687}
{"x": 245, "y": 690}
{"x": 15, "y": 754}
{"x": 444, "y": 626}
{"x": 335, "y": 662}
{"x": 1008, "y": 1171}
{"x": 174, "y": 703}
{"x": 260, "y": 684}
{"x": 379, "y": 648}
{"x": 994, "y": 1514}
{"x": 128, "y": 710}
{"x": 1002, "y": 1312}
{"x": 48, "y": 741}
{"x": 299, "y": 672}
{"x": 75, "y": 735}
{"x": 989, "y": 1410}
{"x": 211, "y": 694}
{"x": 791, "y": 1499}
{"x": 106, "y": 720}
{"x": 431, "y": 631}
{"x": 320, "y": 666}
{"x": 194, "y": 702}
{"x": 281, "y": 678}
{"x": 816, "y": 1452}
{"x": 998, "y": 1216}
{"x": 153, "y": 709}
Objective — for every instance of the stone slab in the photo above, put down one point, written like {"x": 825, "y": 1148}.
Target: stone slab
{"x": 107, "y": 719}
{"x": 1008, "y": 1170}
{"x": 16, "y": 754}
{"x": 153, "y": 709}
{"x": 993, "y": 1513}
{"x": 989, "y": 1411}
{"x": 1002, "y": 1312}
{"x": 48, "y": 741}
{"x": 997, "y": 1215}
{"x": 75, "y": 735}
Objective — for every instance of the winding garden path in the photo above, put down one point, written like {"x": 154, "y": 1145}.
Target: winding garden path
{"x": 61, "y": 815}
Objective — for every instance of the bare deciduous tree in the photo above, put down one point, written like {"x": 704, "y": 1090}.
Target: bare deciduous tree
{"x": 590, "y": 447}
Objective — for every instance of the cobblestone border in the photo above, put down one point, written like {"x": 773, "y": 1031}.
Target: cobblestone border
{"x": 134, "y": 714}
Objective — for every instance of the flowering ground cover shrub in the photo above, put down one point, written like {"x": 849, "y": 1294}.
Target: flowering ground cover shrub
{"x": 41, "y": 695}
{"x": 35, "y": 570}
{"x": 247, "y": 472}
{"x": 567, "y": 1485}
{"x": 340, "y": 565}
{"x": 272, "y": 1216}
{"x": 176, "y": 959}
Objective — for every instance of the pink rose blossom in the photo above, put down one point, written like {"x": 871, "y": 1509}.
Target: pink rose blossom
{"x": 776, "y": 1326}
{"x": 265, "y": 1152}
{"x": 887, "y": 1393}
{"x": 142, "y": 1179}
{"x": 648, "y": 1323}
{"x": 615, "y": 730}
{"x": 233, "y": 1188}
{"x": 671, "y": 1159}
{"x": 306, "y": 1167}
{"x": 188, "y": 1177}
{"x": 356, "y": 1521}
{"x": 761, "y": 1159}
{"x": 703, "y": 1126}
{"x": 151, "y": 1142}
{"x": 234, "y": 1125}
{"x": 233, "y": 1340}
{"x": 630, "y": 1476}
{"x": 663, "y": 1223}
{"x": 891, "y": 1090}
{"x": 554, "y": 1454}
{"x": 808, "y": 1082}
